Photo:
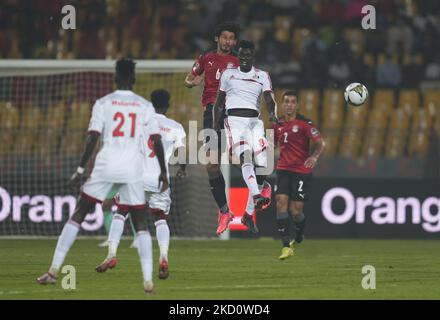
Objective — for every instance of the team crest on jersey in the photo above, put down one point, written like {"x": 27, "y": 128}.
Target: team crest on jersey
{"x": 295, "y": 129}
{"x": 255, "y": 76}
{"x": 314, "y": 132}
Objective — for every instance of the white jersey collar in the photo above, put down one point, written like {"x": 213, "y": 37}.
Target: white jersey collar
{"x": 250, "y": 71}
{"x": 124, "y": 92}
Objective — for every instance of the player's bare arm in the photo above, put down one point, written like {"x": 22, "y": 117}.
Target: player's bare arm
{"x": 271, "y": 106}
{"x": 313, "y": 159}
{"x": 181, "y": 173}
{"x": 218, "y": 108}
{"x": 192, "y": 80}
{"x": 158, "y": 149}
{"x": 91, "y": 142}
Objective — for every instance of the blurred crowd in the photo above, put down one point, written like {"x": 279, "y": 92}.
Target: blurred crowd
{"x": 306, "y": 43}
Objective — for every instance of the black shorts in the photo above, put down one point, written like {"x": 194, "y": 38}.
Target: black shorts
{"x": 208, "y": 123}
{"x": 294, "y": 185}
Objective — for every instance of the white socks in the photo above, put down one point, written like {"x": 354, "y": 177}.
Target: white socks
{"x": 250, "y": 205}
{"x": 163, "y": 238}
{"x": 65, "y": 241}
{"x": 249, "y": 177}
{"x": 115, "y": 234}
{"x": 145, "y": 251}
{"x": 250, "y": 202}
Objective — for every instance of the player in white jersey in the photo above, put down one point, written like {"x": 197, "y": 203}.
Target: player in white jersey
{"x": 240, "y": 90}
{"x": 120, "y": 119}
{"x": 173, "y": 138}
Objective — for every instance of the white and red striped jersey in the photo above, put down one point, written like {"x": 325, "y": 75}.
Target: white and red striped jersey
{"x": 244, "y": 89}
{"x": 120, "y": 118}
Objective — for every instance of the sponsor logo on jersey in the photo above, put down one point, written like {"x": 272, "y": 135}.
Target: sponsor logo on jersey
{"x": 230, "y": 65}
{"x": 210, "y": 63}
{"x": 295, "y": 129}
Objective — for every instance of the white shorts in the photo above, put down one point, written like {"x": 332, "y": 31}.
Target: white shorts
{"x": 247, "y": 134}
{"x": 131, "y": 194}
{"x": 159, "y": 200}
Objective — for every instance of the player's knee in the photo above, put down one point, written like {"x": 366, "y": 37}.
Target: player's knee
{"x": 122, "y": 210}
{"x": 107, "y": 205}
{"x": 158, "y": 215}
{"x": 296, "y": 208}
{"x": 245, "y": 157}
{"x": 139, "y": 221}
{"x": 281, "y": 206}
{"x": 213, "y": 170}
{"x": 160, "y": 222}
{"x": 83, "y": 207}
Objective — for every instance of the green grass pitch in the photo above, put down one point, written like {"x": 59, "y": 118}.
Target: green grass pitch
{"x": 235, "y": 269}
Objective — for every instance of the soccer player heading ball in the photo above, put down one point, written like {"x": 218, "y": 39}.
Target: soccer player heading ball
{"x": 294, "y": 169}
{"x": 212, "y": 64}
{"x": 239, "y": 96}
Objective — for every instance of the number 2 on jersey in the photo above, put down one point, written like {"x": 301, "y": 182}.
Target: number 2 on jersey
{"x": 119, "y": 116}
{"x": 285, "y": 137}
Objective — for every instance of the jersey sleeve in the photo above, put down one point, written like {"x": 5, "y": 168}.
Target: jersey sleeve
{"x": 198, "y": 66}
{"x": 223, "y": 81}
{"x": 97, "y": 120}
{"x": 180, "y": 138}
{"x": 312, "y": 132}
{"x": 267, "y": 82}
{"x": 151, "y": 125}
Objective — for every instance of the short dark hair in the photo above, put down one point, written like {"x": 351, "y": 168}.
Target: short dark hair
{"x": 227, "y": 26}
{"x": 290, "y": 93}
{"x": 245, "y": 44}
{"x": 160, "y": 99}
{"x": 125, "y": 68}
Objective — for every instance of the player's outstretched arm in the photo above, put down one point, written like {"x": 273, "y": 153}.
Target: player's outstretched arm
{"x": 313, "y": 159}
{"x": 218, "y": 108}
{"x": 158, "y": 149}
{"x": 271, "y": 106}
{"x": 91, "y": 142}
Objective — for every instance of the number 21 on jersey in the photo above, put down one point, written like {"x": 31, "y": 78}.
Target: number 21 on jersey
{"x": 120, "y": 118}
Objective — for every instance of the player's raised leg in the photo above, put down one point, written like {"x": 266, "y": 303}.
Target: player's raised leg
{"x": 247, "y": 218}
{"x": 216, "y": 179}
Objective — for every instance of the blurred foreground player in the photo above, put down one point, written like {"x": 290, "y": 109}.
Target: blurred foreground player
{"x": 173, "y": 138}
{"x": 294, "y": 169}
{"x": 119, "y": 118}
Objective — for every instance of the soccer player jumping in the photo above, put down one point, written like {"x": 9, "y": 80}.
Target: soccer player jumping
{"x": 240, "y": 89}
{"x": 212, "y": 64}
{"x": 294, "y": 169}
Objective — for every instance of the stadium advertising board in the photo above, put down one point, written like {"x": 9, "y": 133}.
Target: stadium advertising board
{"x": 367, "y": 208}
